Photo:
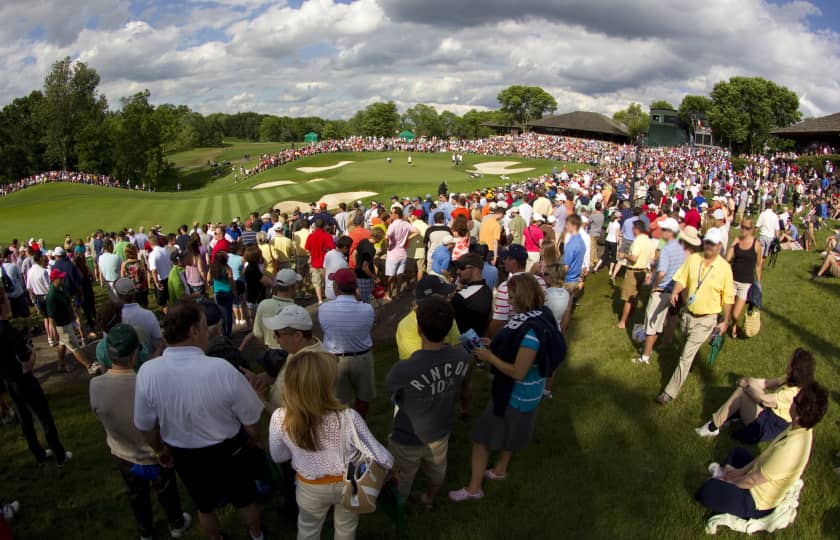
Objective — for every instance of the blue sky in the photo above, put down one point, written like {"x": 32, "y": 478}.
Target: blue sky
{"x": 332, "y": 57}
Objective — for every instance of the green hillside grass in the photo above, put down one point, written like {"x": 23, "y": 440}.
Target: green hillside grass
{"x": 50, "y": 211}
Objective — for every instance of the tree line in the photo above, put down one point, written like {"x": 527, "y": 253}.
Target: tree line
{"x": 741, "y": 112}
{"x": 68, "y": 123}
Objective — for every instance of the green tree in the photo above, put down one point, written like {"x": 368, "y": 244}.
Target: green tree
{"x": 379, "y": 120}
{"x": 634, "y": 118}
{"x": 662, "y": 104}
{"x": 450, "y": 124}
{"x": 745, "y": 109}
{"x": 271, "y": 129}
{"x": 423, "y": 120}
{"x": 471, "y": 123}
{"x": 21, "y": 138}
{"x": 71, "y": 102}
{"x": 138, "y": 142}
{"x": 525, "y": 103}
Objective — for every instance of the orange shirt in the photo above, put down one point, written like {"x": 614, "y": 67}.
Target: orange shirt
{"x": 461, "y": 211}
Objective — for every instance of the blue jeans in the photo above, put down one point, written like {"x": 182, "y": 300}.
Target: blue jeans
{"x": 724, "y": 498}
{"x": 225, "y": 301}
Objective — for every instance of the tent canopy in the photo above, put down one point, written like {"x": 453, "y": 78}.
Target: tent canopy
{"x": 310, "y": 137}
{"x": 407, "y": 135}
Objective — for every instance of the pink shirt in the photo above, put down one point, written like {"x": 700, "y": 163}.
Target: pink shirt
{"x": 397, "y": 235}
{"x": 533, "y": 238}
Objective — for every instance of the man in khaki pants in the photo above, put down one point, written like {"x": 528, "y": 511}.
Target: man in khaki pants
{"x": 707, "y": 280}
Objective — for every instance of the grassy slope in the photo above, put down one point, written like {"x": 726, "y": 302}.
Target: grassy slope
{"x": 606, "y": 462}
{"x": 50, "y": 211}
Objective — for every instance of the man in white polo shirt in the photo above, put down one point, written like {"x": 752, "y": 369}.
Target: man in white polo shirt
{"x": 109, "y": 267}
{"x": 346, "y": 323}
{"x": 197, "y": 413}
{"x": 160, "y": 265}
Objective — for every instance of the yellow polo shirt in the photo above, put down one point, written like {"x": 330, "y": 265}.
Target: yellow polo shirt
{"x": 643, "y": 250}
{"x": 784, "y": 398}
{"x": 781, "y": 464}
{"x": 408, "y": 336}
{"x": 716, "y": 290}
{"x": 490, "y": 232}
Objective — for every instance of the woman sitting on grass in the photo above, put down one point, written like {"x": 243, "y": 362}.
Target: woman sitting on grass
{"x": 522, "y": 355}
{"x": 763, "y": 405}
{"x": 751, "y": 488}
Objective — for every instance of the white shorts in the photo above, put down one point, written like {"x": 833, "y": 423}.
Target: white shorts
{"x": 742, "y": 289}
{"x": 394, "y": 267}
{"x": 656, "y": 312}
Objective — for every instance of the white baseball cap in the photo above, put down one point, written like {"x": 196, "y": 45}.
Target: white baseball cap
{"x": 287, "y": 277}
{"x": 59, "y": 252}
{"x": 293, "y": 316}
{"x": 713, "y": 235}
{"x": 718, "y": 214}
{"x": 538, "y": 217}
{"x": 669, "y": 224}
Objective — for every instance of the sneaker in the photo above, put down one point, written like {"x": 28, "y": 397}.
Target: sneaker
{"x": 547, "y": 393}
{"x": 704, "y": 431}
{"x": 640, "y": 360}
{"x": 67, "y": 457}
{"x": 664, "y": 399}
{"x": 462, "y": 495}
{"x": 715, "y": 470}
{"x": 177, "y": 533}
{"x": 490, "y": 475}
{"x": 8, "y": 511}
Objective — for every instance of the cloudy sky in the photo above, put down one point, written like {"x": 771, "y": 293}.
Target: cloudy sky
{"x": 329, "y": 58}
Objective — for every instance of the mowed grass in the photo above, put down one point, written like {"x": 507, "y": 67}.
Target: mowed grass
{"x": 51, "y": 211}
{"x": 232, "y": 150}
{"x": 606, "y": 461}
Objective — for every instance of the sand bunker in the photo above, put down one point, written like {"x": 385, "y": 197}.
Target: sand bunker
{"x": 320, "y": 169}
{"x": 499, "y": 168}
{"x": 315, "y": 180}
{"x": 332, "y": 200}
{"x": 276, "y": 183}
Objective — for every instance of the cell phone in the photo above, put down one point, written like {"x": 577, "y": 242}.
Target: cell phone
{"x": 470, "y": 340}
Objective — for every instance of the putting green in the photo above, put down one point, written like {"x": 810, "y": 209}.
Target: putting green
{"x": 52, "y": 210}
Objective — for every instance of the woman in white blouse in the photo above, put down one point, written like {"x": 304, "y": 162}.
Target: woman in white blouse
{"x": 308, "y": 430}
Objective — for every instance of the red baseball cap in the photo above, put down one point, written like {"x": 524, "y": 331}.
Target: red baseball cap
{"x": 418, "y": 213}
{"x": 344, "y": 277}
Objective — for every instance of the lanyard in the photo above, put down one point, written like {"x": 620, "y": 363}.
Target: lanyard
{"x": 701, "y": 278}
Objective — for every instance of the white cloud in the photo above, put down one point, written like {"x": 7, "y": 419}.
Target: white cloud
{"x": 330, "y": 59}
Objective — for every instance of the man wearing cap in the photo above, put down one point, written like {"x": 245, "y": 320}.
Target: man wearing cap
{"x": 72, "y": 279}
{"x": 516, "y": 226}
{"x": 266, "y": 222}
{"x": 416, "y": 242}
{"x": 671, "y": 258}
{"x": 283, "y": 295}
{"x": 334, "y": 261}
{"x": 638, "y": 260}
{"x": 160, "y": 266}
{"x": 347, "y": 323}
{"x": 318, "y": 244}
{"x": 442, "y": 257}
{"x": 533, "y": 239}
{"x": 60, "y": 310}
{"x": 198, "y": 414}
{"x": 142, "y": 319}
{"x": 292, "y": 329}
{"x": 112, "y": 401}
{"x": 515, "y": 263}
{"x": 17, "y": 360}
{"x": 707, "y": 281}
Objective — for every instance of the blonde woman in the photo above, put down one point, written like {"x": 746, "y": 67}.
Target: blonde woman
{"x": 745, "y": 257}
{"x": 312, "y": 430}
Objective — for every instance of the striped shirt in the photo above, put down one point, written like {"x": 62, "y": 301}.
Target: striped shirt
{"x": 671, "y": 257}
{"x": 346, "y": 324}
{"x": 501, "y": 307}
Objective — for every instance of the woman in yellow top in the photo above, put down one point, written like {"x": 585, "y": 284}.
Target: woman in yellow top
{"x": 763, "y": 404}
{"x": 269, "y": 254}
{"x": 751, "y": 488}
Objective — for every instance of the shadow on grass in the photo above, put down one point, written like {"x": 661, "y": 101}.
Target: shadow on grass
{"x": 811, "y": 339}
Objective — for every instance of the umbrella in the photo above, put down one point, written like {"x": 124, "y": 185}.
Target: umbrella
{"x": 717, "y": 345}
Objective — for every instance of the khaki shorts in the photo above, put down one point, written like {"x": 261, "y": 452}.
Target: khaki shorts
{"x": 421, "y": 264}
{"x": 356, "y": 378}
{"x": 408, "y": 459}
{"x": 67, "y": 337}
{"x": 317, "y": 276}
{"x": 633, "y": 281}
{"x": 742, "y": 289}
{"x": 656, "y": 312}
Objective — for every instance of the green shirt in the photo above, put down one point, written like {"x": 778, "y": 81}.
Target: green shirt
{"x": 517, "y": 230}
{"x": 175, "y": 283}
{"x": 119, "y": 249}
{"x": 58, "y": 306}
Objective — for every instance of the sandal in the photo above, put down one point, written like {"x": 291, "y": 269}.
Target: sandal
{"x": 462, "y": 495}
{"x": 490, "y": 475}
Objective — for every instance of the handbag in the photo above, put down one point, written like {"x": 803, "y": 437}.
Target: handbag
{"x": 363, "y": 476}
{"x": 752, "y": 322}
